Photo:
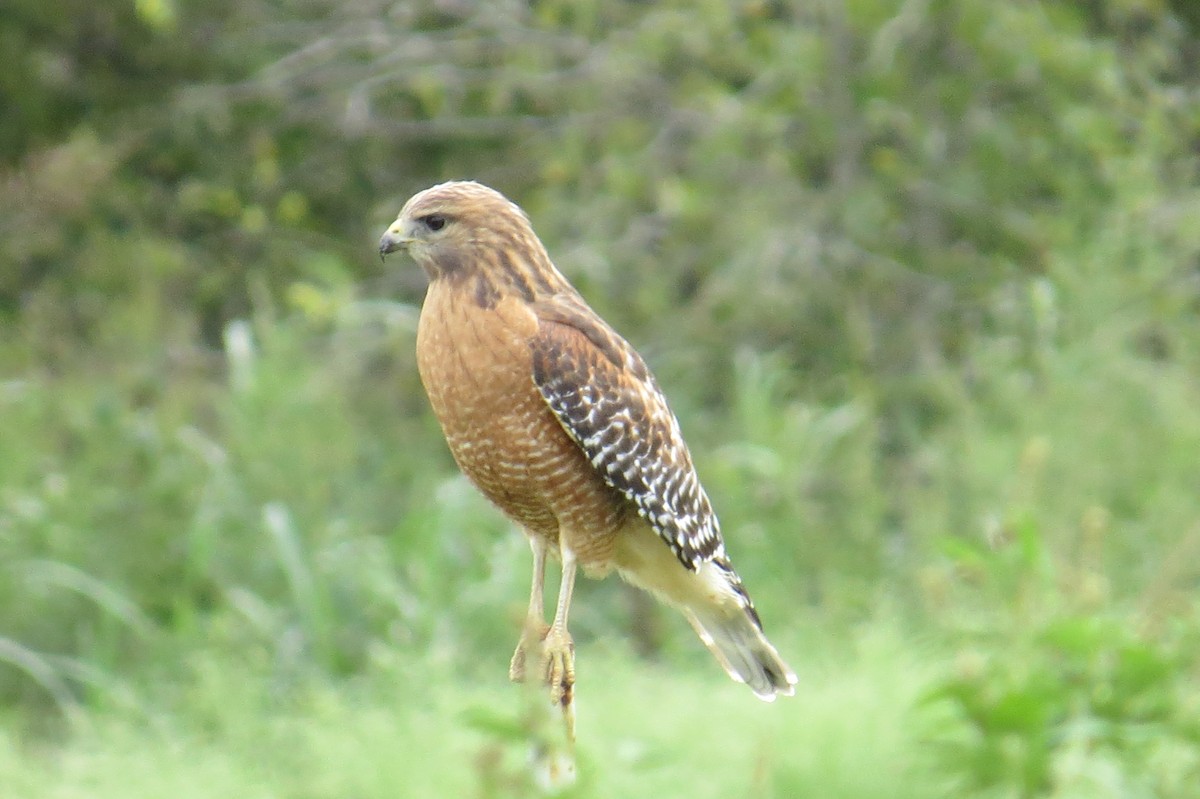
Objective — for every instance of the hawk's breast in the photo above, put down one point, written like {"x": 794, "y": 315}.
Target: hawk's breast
{"x": 476, "y": 365}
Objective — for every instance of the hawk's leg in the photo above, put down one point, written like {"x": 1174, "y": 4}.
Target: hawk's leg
{"x": 558, "y": 650}
{"x": 535, "y": 628}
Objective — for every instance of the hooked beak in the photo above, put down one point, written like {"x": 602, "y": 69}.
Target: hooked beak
{"x": 394, "y": 238}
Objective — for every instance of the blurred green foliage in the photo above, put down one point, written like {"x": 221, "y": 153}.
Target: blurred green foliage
{"x": 922, "y": 280}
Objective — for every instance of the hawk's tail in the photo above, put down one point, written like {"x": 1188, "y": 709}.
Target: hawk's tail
{"x": 735, "y": 638}
{"x": 715, "y": 602}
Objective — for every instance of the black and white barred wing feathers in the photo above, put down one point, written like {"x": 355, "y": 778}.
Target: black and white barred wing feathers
{"x": 604, "y": 396}
{"x": 609, "y": 403}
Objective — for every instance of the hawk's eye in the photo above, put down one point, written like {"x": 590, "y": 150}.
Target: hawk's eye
{"x": 434, "y": 221}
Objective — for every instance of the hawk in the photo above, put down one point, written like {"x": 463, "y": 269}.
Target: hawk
{"x": 558, "y": 421}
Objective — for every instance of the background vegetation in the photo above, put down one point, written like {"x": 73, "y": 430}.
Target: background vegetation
{"x": 922, "y": 280}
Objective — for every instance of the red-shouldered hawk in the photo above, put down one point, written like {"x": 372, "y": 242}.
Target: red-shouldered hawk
{"x": 558, "y": 421}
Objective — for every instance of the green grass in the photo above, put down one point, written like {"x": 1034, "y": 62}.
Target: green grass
{"x": 409, "y": 727}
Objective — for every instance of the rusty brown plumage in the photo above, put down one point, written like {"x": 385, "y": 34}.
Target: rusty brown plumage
{"x": 559, "y": 422}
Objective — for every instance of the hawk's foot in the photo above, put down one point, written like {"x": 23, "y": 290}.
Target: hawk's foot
{"x": 532, "y": 635}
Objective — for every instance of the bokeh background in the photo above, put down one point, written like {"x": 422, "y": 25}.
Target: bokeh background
{"x": 921, "y": 278}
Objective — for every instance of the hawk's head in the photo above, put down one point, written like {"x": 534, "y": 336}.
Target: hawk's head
{"x": 453, "y": 229}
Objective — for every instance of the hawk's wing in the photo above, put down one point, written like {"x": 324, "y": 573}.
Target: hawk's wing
{"x": 608, "y": 402}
